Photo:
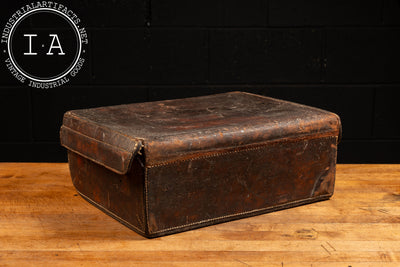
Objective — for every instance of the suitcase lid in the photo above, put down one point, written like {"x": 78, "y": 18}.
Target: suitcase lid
{"x": 180, "y": 128}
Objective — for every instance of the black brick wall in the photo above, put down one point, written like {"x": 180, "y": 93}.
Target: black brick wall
{"x": 343, "y": 56}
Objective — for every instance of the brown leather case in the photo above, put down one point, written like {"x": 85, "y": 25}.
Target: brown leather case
{"x": 170, "y": 166}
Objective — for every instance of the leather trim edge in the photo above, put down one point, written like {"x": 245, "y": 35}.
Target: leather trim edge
{"x": 123, "y": 156}
{"x": 239, "y": 215}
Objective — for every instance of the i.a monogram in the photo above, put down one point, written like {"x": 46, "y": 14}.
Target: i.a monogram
{"x": 55, "y": 44}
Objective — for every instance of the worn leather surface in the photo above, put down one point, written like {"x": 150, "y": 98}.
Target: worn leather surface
{"x": 114, "y": 158}
{"x": 121, "y": 196}
{"x": 183, "y": 127}
{"x": 183, "y": 193}
{"x": 170, "y": 166}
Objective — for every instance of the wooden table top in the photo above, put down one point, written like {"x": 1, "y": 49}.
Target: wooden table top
{"x": 43, "y": 221}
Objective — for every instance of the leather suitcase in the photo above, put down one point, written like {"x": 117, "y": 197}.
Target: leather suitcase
{"x": 170, "y": 166}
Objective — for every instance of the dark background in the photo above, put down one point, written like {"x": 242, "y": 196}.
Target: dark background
{"x": 343, "y": 56}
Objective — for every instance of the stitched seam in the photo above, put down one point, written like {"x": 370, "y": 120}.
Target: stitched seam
{"x": 242, "y": 213}
{"x": 113, "y": 214}
{"x": 258, "y": 147}
{"x": 146, "y": 199}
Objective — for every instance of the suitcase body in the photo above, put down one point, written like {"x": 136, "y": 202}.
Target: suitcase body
{"x": 170, "y": 166}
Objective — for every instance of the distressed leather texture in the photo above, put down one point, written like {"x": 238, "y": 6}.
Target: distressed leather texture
{"x": 170, "y": 166}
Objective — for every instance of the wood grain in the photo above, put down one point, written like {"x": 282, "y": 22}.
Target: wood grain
{"x": 43, "y": 222}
